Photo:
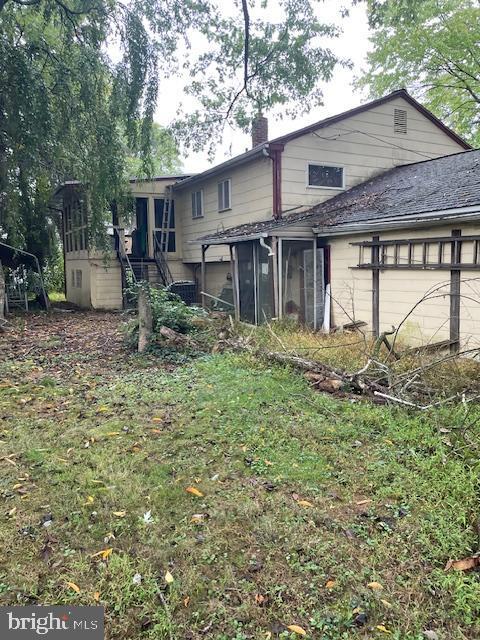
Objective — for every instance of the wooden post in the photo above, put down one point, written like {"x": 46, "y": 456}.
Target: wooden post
{"x": 455, "y": 277}
{"x": 203, "y": 280}
{"x": 375, "y": 287}
{"x": 236, "y": 296}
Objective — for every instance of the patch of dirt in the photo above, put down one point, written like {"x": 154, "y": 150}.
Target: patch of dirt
{"x": 60, "y": 334}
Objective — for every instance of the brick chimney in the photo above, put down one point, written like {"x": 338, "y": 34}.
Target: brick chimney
{"x": 259, "y": 130}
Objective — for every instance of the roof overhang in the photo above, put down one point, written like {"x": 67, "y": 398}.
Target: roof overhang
{"x": 230, "y": 239}
{"x": 462, "y": 214}
{"x": 258, "y": 152}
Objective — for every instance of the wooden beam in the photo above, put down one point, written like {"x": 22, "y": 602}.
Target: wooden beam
{"x": 455, "y": 276}
{"x": 375, "y": 287}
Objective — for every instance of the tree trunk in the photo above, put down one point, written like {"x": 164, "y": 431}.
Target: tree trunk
{"x": 2, "y": 292}
{"x": 145, "y": 320}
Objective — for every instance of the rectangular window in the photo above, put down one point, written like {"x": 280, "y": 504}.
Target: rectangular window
{"x": 224, "y": 189}
{"x": 325, "y": 176}
{"x": 197, "y": 204}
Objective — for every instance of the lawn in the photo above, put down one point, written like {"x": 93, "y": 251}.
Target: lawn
{"x": 221, "y": 498}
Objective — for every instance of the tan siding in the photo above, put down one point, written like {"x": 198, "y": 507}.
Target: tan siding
{"x": 251, "y": 200}
{"x": 401, "y": 291}
{"x": 106, "y": 285}
{"x": 365, "y": 145}
{"x": 81, "y": 296}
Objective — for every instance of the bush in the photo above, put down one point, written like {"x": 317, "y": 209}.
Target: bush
{"x": 168, "y": 310}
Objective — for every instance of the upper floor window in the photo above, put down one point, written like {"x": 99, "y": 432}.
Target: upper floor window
{"x": 197, "y": 204}
{"x": 325, "y": 176}
{"x": 224, "y": 195}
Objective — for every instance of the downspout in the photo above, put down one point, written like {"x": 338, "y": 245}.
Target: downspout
{"x": 274, "y": 151}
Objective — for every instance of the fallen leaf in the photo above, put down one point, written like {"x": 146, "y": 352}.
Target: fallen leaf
{"x": 102, "y": 409}
{"x": 113, "y": 433}
{"x": 382, "y": 628}
{"x": 73, "y": 586}
{"x": 375, "y": 586}
{"x": 169, "y": 578}
{"x": 119, "y": 514}
{"x": 430, "y": 635}
{"x": 157, "y": 419}
{"x": 156, "y": 431}
{"x": 186, "y": 601}
{"x": 89, "y": 500}
{"x": 197, "y": 518}
{"x": 104, "y": 553}
{"x": 194, "y": 491}
{"x": 96, "y": 596}
{"x": 463, "y": 565}
{"x": 296, "y": 629}
{"x": 330, "y": 584}
{"x": 259, "y": 598}
{"x": 386, "y": 603}
{"x": 304, "y": 503}
{"x": 268, "y": 463}
{"x": 360, "y": 502}
{"x": 137, "y": 578}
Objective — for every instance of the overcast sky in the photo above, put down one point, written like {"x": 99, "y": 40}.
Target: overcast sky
{"x": 338, "y": 93}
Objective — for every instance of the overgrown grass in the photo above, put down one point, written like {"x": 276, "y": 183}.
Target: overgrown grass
{"x": 350, "y": 351}
{"x": 306, "y": 501}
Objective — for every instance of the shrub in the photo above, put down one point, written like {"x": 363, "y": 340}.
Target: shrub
{"x": 168, "y": 310}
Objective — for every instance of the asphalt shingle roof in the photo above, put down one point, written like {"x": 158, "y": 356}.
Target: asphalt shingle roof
{"x": 440, "y": 184}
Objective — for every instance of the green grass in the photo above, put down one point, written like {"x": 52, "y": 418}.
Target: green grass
{"x": 392, "y": 498}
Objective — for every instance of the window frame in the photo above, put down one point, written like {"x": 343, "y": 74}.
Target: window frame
{"x": 323, "y": 164}
{"x": 222, "y": 182}
{"x": 202, "y": 209}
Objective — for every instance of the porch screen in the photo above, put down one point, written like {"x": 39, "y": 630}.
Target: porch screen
{"x": 302, "y": 282}
{"x": 255, "y": 282}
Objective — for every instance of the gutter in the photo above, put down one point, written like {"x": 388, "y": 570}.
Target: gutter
{"x": 463, "y": 214}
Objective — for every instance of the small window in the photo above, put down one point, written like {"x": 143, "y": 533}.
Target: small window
{"x": 78, "y": 278}
{"x": 400, "y": 121}
{"x": 325, "y": 176}
{"x": 197, "y": 204}
{"x": 224, "y": 189}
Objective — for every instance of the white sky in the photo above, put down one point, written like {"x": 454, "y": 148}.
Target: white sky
{"x": 338, "y": 93}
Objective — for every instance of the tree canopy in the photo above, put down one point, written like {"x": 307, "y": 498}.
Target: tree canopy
{"x": 432, "y": 48}
{"x": 78, "y": 78}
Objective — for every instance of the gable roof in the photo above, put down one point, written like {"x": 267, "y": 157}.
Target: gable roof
{"x": 260, "y": 150}
{"x": 443, "y": 184}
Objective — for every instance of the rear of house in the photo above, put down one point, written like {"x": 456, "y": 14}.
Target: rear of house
{"x": 401, "y": 250}
{"x": 268, "y": 184}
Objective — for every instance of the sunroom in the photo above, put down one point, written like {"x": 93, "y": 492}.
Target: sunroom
{"x": 276, "y": 275}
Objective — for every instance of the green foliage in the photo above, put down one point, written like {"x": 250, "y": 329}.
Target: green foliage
{"x": 430, "y": 47}
{"x": 164, "y": 155}
{"x": 79, "y": 83}
{"x": 168, "y": 310}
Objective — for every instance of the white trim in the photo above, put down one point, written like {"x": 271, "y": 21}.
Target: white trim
{"x": 229, "y": 180}
{"x": 446, "y": 216}
{"x": 202, "y": 206}
{"x": 323, "y": 164}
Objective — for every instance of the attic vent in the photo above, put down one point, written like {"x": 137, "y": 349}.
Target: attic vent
{"x": 400, "y": 121}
